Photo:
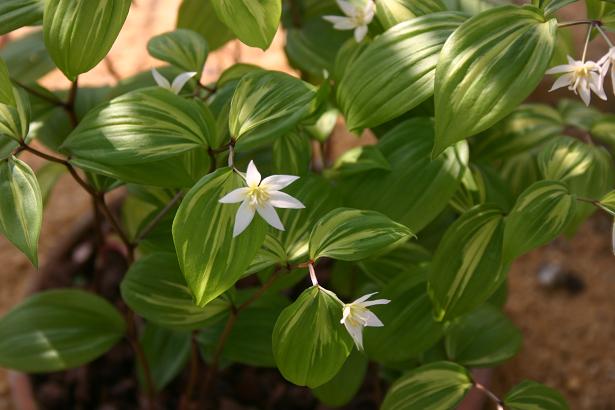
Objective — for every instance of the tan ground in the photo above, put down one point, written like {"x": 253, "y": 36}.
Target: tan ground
{"x": 567, "y": 339}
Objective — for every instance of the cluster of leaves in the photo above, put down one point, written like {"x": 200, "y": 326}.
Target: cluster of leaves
{"x": 462, "y": 181}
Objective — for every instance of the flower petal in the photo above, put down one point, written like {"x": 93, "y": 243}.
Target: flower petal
{"x": 564, "y": 68}
{"x": 584, "y": 92}
{"x": 360, "y": 33}
{"x": 243, "y": 217}
{"x": 234, "y": 196}
{"x": 347, "y": 7}
{"x": 277, "y": 182}
{"x": 340, "y": 23}
{"x": 283, "y": 200}
{"x": 364, "y": 297}
{"x": 376, "y": 302}
{"x": 160, "y": 80}
{"x": 356, "y": 332}
{"x": 345, "y": 314}
{"x": 562, "y": 81}
{"x": 372, "y": 320}
{"x": 181, "y": 80}
{"x": 253, "y": 177}
{"x": 596, "y": 85}
{"x": 269, "y": 214}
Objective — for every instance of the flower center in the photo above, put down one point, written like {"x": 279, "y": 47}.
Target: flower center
{"x": 258, "y": 196}
{"x": 582, "y": 71}
{"x": 356, "y": 315}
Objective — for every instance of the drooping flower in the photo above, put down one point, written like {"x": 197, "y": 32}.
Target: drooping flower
{"x": 580, "y": 77}
{"x": 178, "y": 82}
{"x": 608, "y": 61}
{"x": 357, "y": 18}
{"x": 261, "y": 196}
{"x": 357, "y": 316}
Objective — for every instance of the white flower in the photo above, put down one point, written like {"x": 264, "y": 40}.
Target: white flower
{"x": 261, "y": 196}
{"x": 609, "y": 61}
{"x": 356, "y": 316}
{"x": 580, "y": 77}
{"x": 357, "y": 18}
{"x": 178, "y": 83}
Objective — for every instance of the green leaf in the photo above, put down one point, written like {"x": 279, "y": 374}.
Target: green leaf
{"x": 155, "y": 289}
{"x": 358, "y": 160}
{"x": 436, "y": 386}
{"x": 319, "y": 197}
{"x": 354, "y": 234}
{"x": 19, "y": 13}
{"x": 199, "y": 16}
{"x": 405, "y": 57}
{"x": 541, "y": 213}
{"x": 483, "y": 338}
{"x": 346, "y": 383}
{"x": 585, "y": 169}
{"x": 15, "y": 119}
{"x": 529, "y": 395}
{"x": 210, "y": 258}
{"x": 607, "y": 203}
{"x": 267, "y": 104}
{"x": 57, "y": 330}
{"x": 254, "y": 22}
{"x": 292, "y": 154}
{"x": 7, "y": 97}
{"x": 467, "y": 265}
{"x": 402, "y": 260}
{"x": 551, "y": 6}
{"x": 249, "y": 342}
{"x": 79, "y": 33}
{"x": 407, "y": 149}
{"x": 310, "y": 345}
{"x": 21, "y": 207}
{"x": 487, "y": 68}
{"x": 166, "y": 351}
{"x": 527, "y": 127}
{"x": 47, "y": 176}
{"x": 182, "y": 48}
{"x": 392, "y": 12}
{"x": 409, "y": 327}
{"x": 147, "y": 136}
{"x": 27, "y": 56}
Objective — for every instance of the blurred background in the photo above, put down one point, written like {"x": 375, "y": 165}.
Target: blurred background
{"x": 561, "y": 296}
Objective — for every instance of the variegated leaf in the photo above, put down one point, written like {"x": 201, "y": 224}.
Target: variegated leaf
{"x": 407, "y": 53}
{"x": 80, "y": 33}
{"x": 309, "y": 344}
{"x": 267, "y": 104}
{"x": 541, "y": 213}
{"x": 210, "y": 258}
{"x": 19, "y": 13}
{"x": 15, "y": 119}
{"x": 487, "y": 67}
{"x": 155, "y": 289}
{"x": 254, "y": 22}
{"x": 57, "y": 330}
{"x": 467, "y": 265}
{"x": 435, "y": 386}
{"x": 182, "y": 48}
{"x": 21, "y": 206}
{"x": 532, "y": 395}
{"x": 200, "y": 16}
{"x": 7, "y": 95}
{"x": 292, "y": 154}
{"x": 392, "y": 12}
{"x": 353, "y": 234}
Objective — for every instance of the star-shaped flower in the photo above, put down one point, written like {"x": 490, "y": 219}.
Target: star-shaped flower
{"x": 357, "y": 18}
{"x": 357, "y": 316}
{"x": 178, "y": 82}
{"x": 261, "y": 196}
{"x": 608, "y": 61}
{"x": 582, "y": 77}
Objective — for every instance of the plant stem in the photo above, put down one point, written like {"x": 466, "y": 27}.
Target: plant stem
{"x": 69, "y": 107}
{"x": 579, "y": 22}
{"x": 156, "y": 220}
{"x": 194, "y": 372}
{"x": 589, "y": 33}
{"x": 228, "y": 327}
{"x": 133, "y": 339}
{"x": 499, "y": 402}
{"x": 606, "y": 38}
{"x": 53, "y": 100}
